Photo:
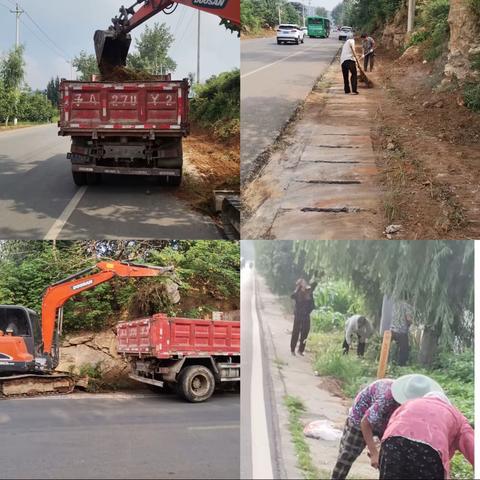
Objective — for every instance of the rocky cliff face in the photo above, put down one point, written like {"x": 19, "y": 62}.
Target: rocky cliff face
{"x": 94, "y": 350}
{"x": 395, "y": 32}
{"x": 464, "y": 41}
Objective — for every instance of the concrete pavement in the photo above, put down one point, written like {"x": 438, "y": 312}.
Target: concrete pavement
{"x": 120, "y": 436}
{"x": 38, "y": 198}
{"x": 275, "y": 80}
{"x": 323, "y": 185}
{"x": 295, "y": 376}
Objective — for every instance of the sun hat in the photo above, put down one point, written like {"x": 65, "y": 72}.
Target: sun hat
{"x": 413, "y": 386}
{"x": 439, "y": 395}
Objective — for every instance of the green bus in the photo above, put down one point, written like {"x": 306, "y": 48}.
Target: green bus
{"x": 318, "y": 27}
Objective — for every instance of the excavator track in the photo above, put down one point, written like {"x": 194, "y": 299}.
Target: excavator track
{"x": 35, "y": 385}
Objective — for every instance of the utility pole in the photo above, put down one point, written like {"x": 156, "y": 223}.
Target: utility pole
{"x": 303, "y": 13}
{"x": 18, "y": 12}
{"x": 279, "y": 16}
{"x": 411, "y": 15}
{"x": 198, "y": 47}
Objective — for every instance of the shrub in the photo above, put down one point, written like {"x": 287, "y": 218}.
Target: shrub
{"x": 471, "y": 95}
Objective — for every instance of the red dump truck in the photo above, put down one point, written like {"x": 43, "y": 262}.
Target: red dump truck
{"x": 192, "y": 356}
{"x": 130, "y": 128}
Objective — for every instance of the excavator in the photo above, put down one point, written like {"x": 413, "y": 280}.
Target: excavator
{"x": 29, "y": 345}
{"x": 112, "y": 45}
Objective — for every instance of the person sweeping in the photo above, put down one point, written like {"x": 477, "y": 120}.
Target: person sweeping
{"x": 369, "y": 416}
{"x": 368, "y": 46}
{"x": 349, "y": 67}
{"x": 421, "y": 438}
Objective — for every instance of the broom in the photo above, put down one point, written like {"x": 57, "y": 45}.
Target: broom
{"x": 363, "y": 76}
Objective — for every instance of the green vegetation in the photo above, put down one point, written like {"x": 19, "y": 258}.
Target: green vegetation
{"x": 216, "y": 105}
{"x": 435, "y": 277}
{"x": 151, "y": 54}
{"x": 259, "y": 14}
{"x": 295, "y": 409}
{"x": 207, "y": 273}
{"x": 18, "y": 101}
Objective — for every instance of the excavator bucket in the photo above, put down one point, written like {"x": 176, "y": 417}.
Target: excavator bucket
{"x": 111, "y": 49}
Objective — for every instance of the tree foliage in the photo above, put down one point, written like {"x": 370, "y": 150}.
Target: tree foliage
{"x": 258, "y": 14}
{"x": 321, "y": 12}
{"x": 216, "y": 104}
{"x": 86, "y": 65}
{"x": 208, "y": 274}
{"x": 152, "y": 51}
{"x": 53, "y": 91}
{"x": 435, "y": 277}
{"x": 12, "y": 69}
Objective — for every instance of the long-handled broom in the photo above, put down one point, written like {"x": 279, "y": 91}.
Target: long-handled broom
{"x": 363, "y": 76}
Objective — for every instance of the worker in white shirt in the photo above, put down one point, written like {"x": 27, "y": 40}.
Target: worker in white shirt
{"x": 349, "y": 66}
{"x": 357, "y": 325}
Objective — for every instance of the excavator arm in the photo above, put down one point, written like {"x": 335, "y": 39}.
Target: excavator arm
{"x": 57, "y": 294}
{"x": 112, "y": 45}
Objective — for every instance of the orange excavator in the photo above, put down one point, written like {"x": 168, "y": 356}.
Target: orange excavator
{"x": 29, "y": 345}
{"x": 112, "y": 45}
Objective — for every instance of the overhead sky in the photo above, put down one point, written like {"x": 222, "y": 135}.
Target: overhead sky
{"x": 328, "y": 4}
{"x": 70, "y": 25}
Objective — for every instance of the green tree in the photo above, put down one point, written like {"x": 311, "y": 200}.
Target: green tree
{"x": 53, "y": 91}
{"x": 321, "y": 12}
{"x": 12, "y": 72}
{"x": 152, "y": 51}
{"x": 86, "y": 65}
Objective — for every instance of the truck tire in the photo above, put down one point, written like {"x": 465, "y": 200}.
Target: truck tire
{"x": 196, "y": 383}
{"x": 171, "y": 181}
{"x": 79, "y": 178}
{"x": 94, "y": 178}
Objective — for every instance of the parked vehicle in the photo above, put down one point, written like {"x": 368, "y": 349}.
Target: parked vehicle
{"x": 345, "y": 33}
{"x": 290, "y": 33}
{"x": 318, "y": 27}
{"x": 133, "y": 128}
{"x": 189, "y": 355}
{"x": 305, "y": 31}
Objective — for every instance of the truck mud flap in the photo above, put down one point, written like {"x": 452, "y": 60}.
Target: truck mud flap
{"x": 150, "y": 381}
{"x": 153, "y": 172}
{"x": 33, "y": 385}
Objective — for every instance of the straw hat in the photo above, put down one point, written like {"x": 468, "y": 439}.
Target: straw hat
{"x": 413, "y": 386}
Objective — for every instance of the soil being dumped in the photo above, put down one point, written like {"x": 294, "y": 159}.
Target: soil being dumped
{"x": 125, "y": 74}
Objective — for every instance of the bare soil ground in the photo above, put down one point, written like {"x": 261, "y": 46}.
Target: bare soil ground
{"x": 209, "y": 165}
{"x": 263, "y": 33}
{"x": 428, "y": 147}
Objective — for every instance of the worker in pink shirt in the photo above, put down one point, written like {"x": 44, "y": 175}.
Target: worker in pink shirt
{"x": 422, "y": 436}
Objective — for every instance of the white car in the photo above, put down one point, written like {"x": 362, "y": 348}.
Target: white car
{"x": 345, "y": 33}
{"x": 305, "y": 31}
{"x": 289, "y": 32}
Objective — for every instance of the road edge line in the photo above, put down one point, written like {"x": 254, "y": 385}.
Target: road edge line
{"x": 60, "y": 222}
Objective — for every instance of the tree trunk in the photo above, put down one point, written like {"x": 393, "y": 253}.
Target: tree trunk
{"x": 428, "y": 347}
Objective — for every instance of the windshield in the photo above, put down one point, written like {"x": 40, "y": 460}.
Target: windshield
{"x": 16, "y": 320}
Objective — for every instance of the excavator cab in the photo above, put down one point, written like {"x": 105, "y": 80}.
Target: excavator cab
{"x": 20, "y": 339}
{"x": 111, "y": 49}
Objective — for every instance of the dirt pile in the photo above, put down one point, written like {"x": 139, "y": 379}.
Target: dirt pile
{"x": 125, "y": 74}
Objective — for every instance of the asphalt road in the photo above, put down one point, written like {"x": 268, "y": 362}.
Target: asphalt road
{"x": 38, "y": 198}
{"x": 258, "y": 439}
{"x": 120, "y": 436}
{"x": 275, "y": 79}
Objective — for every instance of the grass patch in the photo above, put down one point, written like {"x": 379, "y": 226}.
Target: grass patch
{"x": 302, "y": 450}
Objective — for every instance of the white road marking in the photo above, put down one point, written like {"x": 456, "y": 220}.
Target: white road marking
{"x": 261, "y": 455}
{"x": 215, "y": 427}
{"x": 57, "y": 227}
{"x": 245, "y": 75}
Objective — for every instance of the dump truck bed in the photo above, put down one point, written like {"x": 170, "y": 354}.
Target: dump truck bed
{"x": 162, "y": 337}
{"x": 126, "y": 108}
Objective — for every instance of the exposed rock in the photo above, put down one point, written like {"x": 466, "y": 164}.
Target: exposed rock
{"x": 394, "y": 34}
{"x": 464, "y": 41}
{"x": 94, "y": 350}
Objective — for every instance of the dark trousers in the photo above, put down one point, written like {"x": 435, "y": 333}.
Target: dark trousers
{"x": 403, "y": 348}
{"x": 360, "y": 348}
{"x": 349, "y": 66}
{"x": 370, "y": 58}
{"x": 301, "y": 329}
{"x": 406, "y": 459}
